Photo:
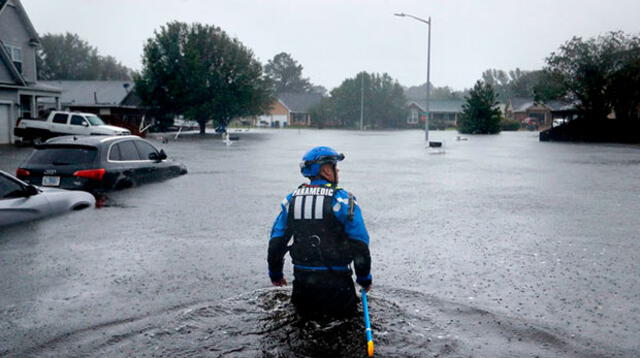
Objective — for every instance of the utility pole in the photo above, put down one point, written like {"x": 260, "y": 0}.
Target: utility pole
{"x": 362, "y": 101}
{"x": 428, "y": 117}
{"x": 427, "y": 109}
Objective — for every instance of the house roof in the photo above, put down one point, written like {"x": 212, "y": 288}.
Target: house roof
{"x": 300, "y": 102}
{"x": 441, "y": 106}
{"x": 25, "y": 18}
{"x": 92, "y": 93}
{"x": 4, "y": 56}
{"x": 561, "y": 106}
{"x": 520, "y": 104}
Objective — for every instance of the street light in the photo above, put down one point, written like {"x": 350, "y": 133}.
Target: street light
{"x": 428, "y": 111}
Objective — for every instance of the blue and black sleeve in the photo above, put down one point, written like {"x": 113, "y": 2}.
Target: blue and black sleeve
{"x": 349, "y": 214}
{"x": 278, "y": 242}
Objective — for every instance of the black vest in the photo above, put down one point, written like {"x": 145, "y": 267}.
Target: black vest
{"x": 318, "y": 237}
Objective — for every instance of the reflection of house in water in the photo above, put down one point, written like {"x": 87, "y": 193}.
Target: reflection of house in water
{"x": 20, "y": 92}
{"x": 444, "y": 113}
{"x": 290, "y": 109}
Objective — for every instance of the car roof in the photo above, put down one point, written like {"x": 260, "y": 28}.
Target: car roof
{"x": 71, "y": 112}
{"x": 86, "y": 140}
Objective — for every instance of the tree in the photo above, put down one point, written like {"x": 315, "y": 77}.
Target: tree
{"x": 600, "y": 74}
{"x": 550, "y": 86}
{"x": 514, "y": 83}
{"x": 385, "y": 105}
{"x": 286, "y": 74}
{"x": 624, "y": 83}
{"x": 68, "y": 57}
{"x": 480, "y": 114}
{"x": 199, "y": 71}
{"x": 321, "y": 90}
{"x": 418, "y": 93}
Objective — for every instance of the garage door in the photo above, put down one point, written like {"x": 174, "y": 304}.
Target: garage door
{"x": 280, "y": 119}
{"x": 5, "y": 125}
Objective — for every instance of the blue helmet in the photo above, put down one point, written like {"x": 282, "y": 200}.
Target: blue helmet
{"x": 316, "y": 157}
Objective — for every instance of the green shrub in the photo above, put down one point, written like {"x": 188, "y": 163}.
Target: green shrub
{"x": 509, "y": 125}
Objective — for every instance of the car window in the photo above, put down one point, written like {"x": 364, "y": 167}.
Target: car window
{"x": 63, "y": 156}
{"x": 60, "y": 118}
{"x": 77, "y": 120}
{"x": 144, "y": 149}
{"x": 128, "y": 150}
{"x": 114, "y": 153}
{"x": 95, "y": 120}
{"x": 9, "y": 188}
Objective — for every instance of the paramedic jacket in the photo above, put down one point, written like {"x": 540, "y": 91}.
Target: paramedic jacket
{"x": 348, "y": 233}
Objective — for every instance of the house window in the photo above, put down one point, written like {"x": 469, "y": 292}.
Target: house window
{"x": 413, "y": 117}
{"x": 15, "y": 53}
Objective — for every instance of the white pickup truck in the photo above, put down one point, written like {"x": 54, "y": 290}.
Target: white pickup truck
{"x": 64, "y": 123}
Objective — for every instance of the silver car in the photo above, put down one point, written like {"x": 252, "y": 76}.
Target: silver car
{"x": 20, "y": 201}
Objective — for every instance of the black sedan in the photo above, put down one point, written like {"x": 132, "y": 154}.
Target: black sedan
{"x": 97, "y": 163}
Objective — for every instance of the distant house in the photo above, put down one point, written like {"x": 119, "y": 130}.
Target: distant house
{"x": 562, "y": 110}
{"x": 527, "y": 110}
{"x": 290, "y": 109}
{"x": 444, "y": 113}
{"x": 20, "y": 91}
{"x": 114, "y": 101}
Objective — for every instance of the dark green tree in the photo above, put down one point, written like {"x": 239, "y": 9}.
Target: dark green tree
{"x": 286, "y": 74}
{"x": 199, "y": 71}
{"x": 480, "y": 114}
{"x": 550, "y": 86}
{"x": 68, "y": 57}
{"x": 600, "y": 74}
{"x": 323, "y": 114}
{"x": 624, "y": 83}
{"x": 385, "y": 105}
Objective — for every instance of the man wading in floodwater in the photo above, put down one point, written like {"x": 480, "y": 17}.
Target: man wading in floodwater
{"x": 328, "y": 234}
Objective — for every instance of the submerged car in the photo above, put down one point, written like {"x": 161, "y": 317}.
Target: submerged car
{"x": 97, "y": 163}
{"x": 20, "y": 201}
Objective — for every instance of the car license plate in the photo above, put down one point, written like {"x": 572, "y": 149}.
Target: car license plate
{"x": 48, "y": 180}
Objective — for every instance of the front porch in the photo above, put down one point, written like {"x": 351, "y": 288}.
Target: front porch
{"x": 18, "y": 102}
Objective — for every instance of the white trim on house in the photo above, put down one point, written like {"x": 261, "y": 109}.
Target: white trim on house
{"x": 10, "y": 118}
{"x": 413, "y": 117}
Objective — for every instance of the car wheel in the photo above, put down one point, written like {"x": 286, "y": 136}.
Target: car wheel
{"x": 80, "y": 207}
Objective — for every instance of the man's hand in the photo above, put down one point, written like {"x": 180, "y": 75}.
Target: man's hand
{"x": 365, "y": 282}
{"x": 280, "y": 282}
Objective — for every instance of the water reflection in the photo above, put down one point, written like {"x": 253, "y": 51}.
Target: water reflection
{"x": 263, "y": 324}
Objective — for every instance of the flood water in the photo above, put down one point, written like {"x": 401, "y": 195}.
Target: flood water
{"x": 499, "y": 246}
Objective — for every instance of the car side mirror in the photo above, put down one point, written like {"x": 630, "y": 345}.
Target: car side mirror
{"x": 163, "y": 155}
{"x": 85, "y": 124}
{"x": 30, "y": 190}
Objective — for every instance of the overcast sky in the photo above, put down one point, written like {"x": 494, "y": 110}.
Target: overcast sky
{"x": 335, "y": 39}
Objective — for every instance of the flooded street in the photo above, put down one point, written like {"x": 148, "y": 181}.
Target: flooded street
{"x": 501, "y": 246}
